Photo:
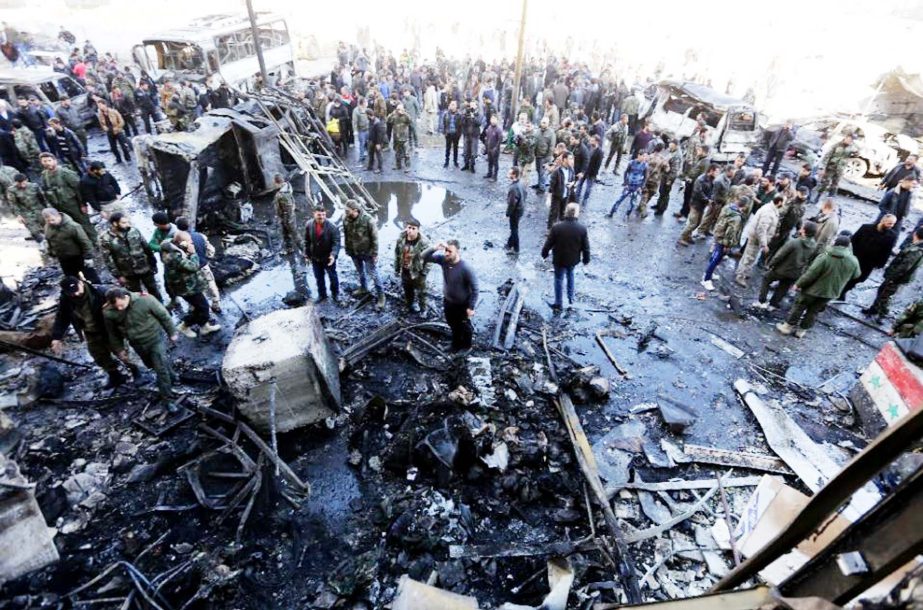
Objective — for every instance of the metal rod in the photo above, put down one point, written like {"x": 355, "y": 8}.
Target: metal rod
{"x": 272, "y": 420}
{"x": 517, "y": 78}
{"x": 727, "y": 517}
{"x": 35, "y": 352}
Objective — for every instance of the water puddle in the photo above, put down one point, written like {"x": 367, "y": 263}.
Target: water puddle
{"x": 403, "y": 201}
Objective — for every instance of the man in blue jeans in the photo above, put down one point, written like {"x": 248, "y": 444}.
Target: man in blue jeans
{"x": 362, "y": 246}
{"x": 568, "y": 242}
{"x": 635, "y": 177}
{"x": 321, "y": 247}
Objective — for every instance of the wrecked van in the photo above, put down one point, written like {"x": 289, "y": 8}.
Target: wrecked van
{"x": 732, "y": 123}
{"x": 48, "y": 86}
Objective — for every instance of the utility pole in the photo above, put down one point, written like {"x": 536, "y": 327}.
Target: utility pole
{"x": 517, "y": 79}
{"x": 256, "y": 43}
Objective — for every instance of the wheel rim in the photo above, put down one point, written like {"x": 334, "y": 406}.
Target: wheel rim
{"x": 855, "y": 168}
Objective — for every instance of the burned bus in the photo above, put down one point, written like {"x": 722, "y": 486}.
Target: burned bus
{"x": 219, "y": 48}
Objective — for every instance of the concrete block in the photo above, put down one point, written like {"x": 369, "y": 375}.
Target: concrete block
{"x": 24, "y": 537}
{"x": 289, "y": 347}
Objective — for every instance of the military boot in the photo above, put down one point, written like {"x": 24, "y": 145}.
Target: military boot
{"x": 135, "y": 370}
{"x": 116, "y": 379}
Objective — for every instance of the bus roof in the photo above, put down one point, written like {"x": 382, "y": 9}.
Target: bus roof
{"x": 705, "y": 94}
{"x": 29, "y": 76}
{"x": 206, "y": 28}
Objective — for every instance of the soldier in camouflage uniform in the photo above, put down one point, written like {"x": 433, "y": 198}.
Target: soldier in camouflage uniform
{"x": 7, "y": 178}
{"x": 81, "y": 306}
{"x": 545, "y": 141}
{"x": 183, "y": 278}
{"x": 400, "y": 129}
{"x": 721, "y": 194}
{"x": 674, "y": 161}
{"x": 26, "y": 201}
{"x": 362, "y": 246}
{"x": 27, "y": 145}
{"x": 128, "y": 256}
{"x": 61, "y": 187}
{"x": 899, "y": 271}
{"x": 410, "y": 266}
{"x": 617, "y": 136}
{"x": 657, "y": 166}
{"x": 910, "y": 323}
{"x": 834, "y": 163}
{"x": 525, "y": 151}
{"x": 694, "y": 165}
{"x": 284, "y": 203}
{"x": 141, "y": 320}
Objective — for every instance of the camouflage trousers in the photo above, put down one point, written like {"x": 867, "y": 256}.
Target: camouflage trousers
{"x": 154, "y": 356}
{"x": 414, "y": 288}
{"x": 710, "y": 218}
{"x": 401, "y": 153}
{"x": 882, "y": 303}
{"x": 831, "y": 181}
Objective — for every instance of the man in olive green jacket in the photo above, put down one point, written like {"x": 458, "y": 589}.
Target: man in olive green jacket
{"x": 823, "y": 281}
{"x": 141, "y": 321}
{"x": 61, "y": 187}
{"x": 787, "y": 265}
{"x": 66, "y": 241}
{"x": 362, "y": 246}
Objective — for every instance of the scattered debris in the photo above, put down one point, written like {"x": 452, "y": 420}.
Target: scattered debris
{"x": 25, "y": 539}
{"x": 727, "y": 347}
{"x": 413, "y": 595}
{"x": 677, "y": 416}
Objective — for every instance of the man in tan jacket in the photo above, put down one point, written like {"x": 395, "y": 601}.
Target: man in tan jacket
{"x": 112, "y": 123}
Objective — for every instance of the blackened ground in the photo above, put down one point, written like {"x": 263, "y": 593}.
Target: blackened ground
{"x": 382, "y": 505}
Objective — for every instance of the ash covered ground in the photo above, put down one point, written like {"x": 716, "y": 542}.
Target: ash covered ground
{"x": 399, "y": 479}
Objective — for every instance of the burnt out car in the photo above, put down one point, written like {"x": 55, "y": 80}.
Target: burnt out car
{"x": 878, "y": 149}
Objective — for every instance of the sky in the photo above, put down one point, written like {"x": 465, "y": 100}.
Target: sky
{"x": 801, "y": 57}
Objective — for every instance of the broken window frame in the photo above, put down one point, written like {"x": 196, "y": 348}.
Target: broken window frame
{"x": 238, "y": 45}
{"x": 169, "y": 51}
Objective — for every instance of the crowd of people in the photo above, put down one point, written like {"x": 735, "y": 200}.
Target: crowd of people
{"x": 566, "y": 117}
{"x": 566, "y": 128}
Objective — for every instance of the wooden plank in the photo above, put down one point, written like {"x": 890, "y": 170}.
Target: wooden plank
{"x": 587, "y": 462}
{"x": 684, "y": 485}
{"x": 615, "y": 363}
{"x": 735, "y": 459}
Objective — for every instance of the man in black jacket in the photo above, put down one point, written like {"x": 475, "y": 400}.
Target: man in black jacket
{"x": 871, "y": 245}
{"x": 581, "y": 158}
{"x": 147, "y": 107}
{"x": 100, "y": 190}
{"x": 569, "y": 243}
{"x": 561, "y": 188}
{"x": 593, "y": 165}
{"x": 321, "y": 247}
{"x": 32, "y": 116}
{"x": 515, "y": 208}
{"x": 778, "y": 144}
{"x": 897, "y": 200}
{"x": 908, "y": 168}
{"x": 81, "y": 306}
{"x": 378, "y": 137}
{"x": 65, "y": 145}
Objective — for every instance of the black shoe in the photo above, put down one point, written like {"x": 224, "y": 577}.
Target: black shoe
{"x": 488, "y": 177}
{"x": 868, "y": 312}
{"x": 135, "y": 371}
{"x": 445, "y": 165}
{"x": 554, "y": 306}
{"x": 116, "y": 379}
{"x": 320, "y": 299}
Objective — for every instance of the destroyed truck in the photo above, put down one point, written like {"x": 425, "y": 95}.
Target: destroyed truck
{"x": 199, "y": 173}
